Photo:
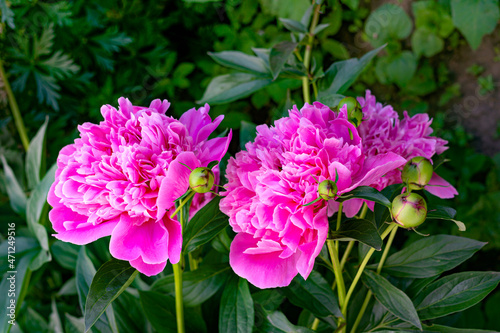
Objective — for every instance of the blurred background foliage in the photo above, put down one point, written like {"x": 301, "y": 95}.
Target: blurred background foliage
{"x": 64, "y": 59}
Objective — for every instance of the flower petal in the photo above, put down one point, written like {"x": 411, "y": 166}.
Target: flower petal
{"x": 265, "y": 270}
{"x": 440, "y": 187}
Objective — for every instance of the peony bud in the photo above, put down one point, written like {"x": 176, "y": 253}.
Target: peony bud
{"x": 327, "y": 189}
{"x": 354, "y": 113}
{"x": 409, "y": 210}
{"x": 417, "y": 173}
{"x": 201, "y": 180}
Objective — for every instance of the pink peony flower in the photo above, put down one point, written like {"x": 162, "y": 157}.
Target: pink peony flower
{"x": 122, "y": 176}
{"x": 382, "y": 132}
{"x": 268, "y": 185}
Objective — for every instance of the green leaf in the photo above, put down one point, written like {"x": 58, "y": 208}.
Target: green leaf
{"x": 393, "y": 299}
{"x": 248, "y": 132}
{"x": 269, "y": 299}
{"x": 47, "y": 90}
{"x": 342, "y": 74}
{"x": 427, "y": 43}
{"x": 398, "y": 69}
{"x": 231, "y": 87}
{"x": 160, "y": 311}
{"x": 65, "y": 254}
{"x": 279, "y": 55}
{"x": 55, "y": 324}
{"x": 381, "y": 212}
{"x": 109, "y": 282}
{"x": 204, "y": 225}
{"x": 336, "y": 49}
{"x": 431, "y": 256}
{"x": 60, "y": 65}
{"x": 313, "y": 294}
{"x": 15, "y": 192}
{"x": 22, "y": 264}
{"x": 447, "y": 329}
{"x": 277, "y": 322}
{"x": 454, "y": 293}
{"x": 331, "y": 100}
{"x": 236, "y": 307}
{"x": 241, "y": 61}
{"x": 475, "y": 18}
{"x": 367, "y": 193}
{"x": 294, "y": 26}
{"x": 198, "y": 285}
{"x": 360, "y": 230}
{"x": 73, "y": 324}
{"x": 43, "y": 46}
{"x": 36, "y": 205}
{"x": 85, "y": 272}
{"x": 35, "y": 156}
{"x": 387, "y": 23}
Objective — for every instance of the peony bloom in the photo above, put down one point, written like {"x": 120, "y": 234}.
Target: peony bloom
{"x": 122, "y": 176}
{"x": 382, "y": 131}
{"x": 269, "y": 184}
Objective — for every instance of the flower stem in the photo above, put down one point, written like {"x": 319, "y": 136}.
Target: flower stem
{"x": 183, "y": 202}
{"x": 307, "y": 55}
{"x": 339, "y": 220}
{"x": 179, "y": 306}
{"x": 379, "y": 269}
{"x": 18, "y": 119}
{"x": 363, "y": 265}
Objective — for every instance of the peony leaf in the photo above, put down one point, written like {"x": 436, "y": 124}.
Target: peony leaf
{"x": 85, "y": 271}
{"x": 198, "y": 285}
{"x": 313, "y": 294}
{"x": 454, "y": 293}
{"x": 112, "y": 278}
{"x": 14, "y": 190}
{"x": 241, "y": 61}
{"x": 160, "y": 311}
{"x": 204, "y": 225}
{"x": 35, "y": 157}
{"x": 360, "y": 230}
{"x": 248, "y": 133}
{"x": 236, "y": 307}
{"x": 367, "y": 193}
{"x": 279, "y": 55}
{"x": 277, "y": 322}
{"x": 294, "y": 26}
{"x": 342, "y": 74}
{"x": 393, "y": 299}
{"x": 431, "y": 256}
{"x": 231, "y": 87}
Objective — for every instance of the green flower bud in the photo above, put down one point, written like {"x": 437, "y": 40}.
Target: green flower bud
{"x": 354, "y": 112}
{"x": 409, "y": 210}
{"x": 201, "y": 180}
{"x": 417, "y": 173}
{"x": 327, "y": 189}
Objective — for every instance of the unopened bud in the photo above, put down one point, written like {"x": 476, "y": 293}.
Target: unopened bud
{"x": 409, "y": 210}
{"x": 327, "y": 189}
{"x": 354, "y": 112}
{"x": 201, "y": 180}
{"x": 417, "y": 173}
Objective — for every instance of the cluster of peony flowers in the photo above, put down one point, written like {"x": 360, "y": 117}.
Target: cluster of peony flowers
{"x": 270, "y": 184}
{"x": 123, "y": 175}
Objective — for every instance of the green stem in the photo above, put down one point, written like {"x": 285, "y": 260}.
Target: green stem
{"x": 18, "y": 119}
{"x": 348, "y": 250}
{"x": 193, "y": 264}
{"x": 315, "y": 324}
{"x": 363, "y": 265}
{"x": 179, "y": 306}
{"x": 379, "y": 269}
{"x": 307, "y": 55}
{"x": 183, "y": 202}
{"x": 339, "y": 220}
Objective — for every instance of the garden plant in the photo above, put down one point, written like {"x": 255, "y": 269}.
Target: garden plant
{"x": 245, "y": 177}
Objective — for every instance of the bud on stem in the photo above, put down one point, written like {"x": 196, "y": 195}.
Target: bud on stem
{"x": 201, "y": 180}
{"x": 409, "y": 210}
{"x": 417, "y": 173}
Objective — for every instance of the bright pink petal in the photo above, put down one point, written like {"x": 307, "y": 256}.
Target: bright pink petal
{"x": 75, "y": 228}
{"x": 176, "y": 182}
{"x": 352, "y": 207}
{"x": 374, "y": 168}
{"x": 147, "y": 269}
{"x": 148, "y": 240}
{"x": 215, "y": 149}
{"x": 265, "y": 270}
{"x": 440, "y": 187}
